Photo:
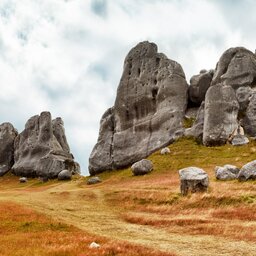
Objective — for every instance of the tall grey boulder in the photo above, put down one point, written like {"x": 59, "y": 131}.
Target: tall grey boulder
{"x": 7, "y": 136}
{"x": 41, "y": 150}
{"x": 249, "y": 120}
{"x": 237, "y": 68}
{"x": 221, "y": 111}
{"x": 148, "y": 111}
{"x": 199, "y": 85}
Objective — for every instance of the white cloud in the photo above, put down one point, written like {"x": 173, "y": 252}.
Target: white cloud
{"x": 67, "y": 56}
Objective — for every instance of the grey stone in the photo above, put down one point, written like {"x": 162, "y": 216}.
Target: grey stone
{"x": 38, "y": 151}
{"x": 196, "y": 130}
{"x": 239, "y": 140}
{"x": 248, "y": 171}
{"x": 227, "y": 172}
{"x": 7, "y": 136}
{"x": 249, "y": 120}
{"x": 199, "y": 85}
{"x": 236, "y": 68}
{"x": 23, "y": 180}
{"x": 193, "y": 179}
{"x": 142, "y": 167}
{"x": 148, "y": 112}
{"x": 243, "y": 95}
{"x": 94, "y": 245}
{"x": 165, "y": 151}
{"x": 93, "y": 180}
{"x": 65, "y": 175}
{"x": 221, "y": 111}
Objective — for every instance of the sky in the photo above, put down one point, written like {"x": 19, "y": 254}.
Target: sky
{"x": 66, "y": 56}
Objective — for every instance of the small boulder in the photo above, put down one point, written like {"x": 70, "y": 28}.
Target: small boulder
{"x": 239, "y": 140}
{"x": 93, "y": 180}
{"x": 248, "y": 171}
{"x": 165, "y": 151}
{"x": 227, "y": 172}
{"x": 142, "y": 167}
{"x": 94, "y": 245}
{"x": 193, "y": 180}
{"x": 23, "y": 180}
{"x": 65, "y": 175}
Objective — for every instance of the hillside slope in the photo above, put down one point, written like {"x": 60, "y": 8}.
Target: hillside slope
{"x": 149, "y": 210}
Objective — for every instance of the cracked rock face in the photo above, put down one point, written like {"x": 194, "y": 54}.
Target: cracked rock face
{"x": 148, "y": 111}
{"x": 7, "y": 136}
{"x": 41, "y": 150}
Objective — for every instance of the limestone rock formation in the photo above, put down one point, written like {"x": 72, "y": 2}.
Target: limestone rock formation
{"x": 249, "y": 120}
{"x": 239, "y": 140}
{"x": 41, "y": 150}
{"x": 221, "y": 111}
{"x": 148, "y": 112}
{"x": 142, "y": 167}
{"x": 248, "y": 171}
{"x": 193, "y": 179}
{"x": 227, "y": 172}
{"x": 236, "y": 68}
{"x": 199, "y": 85}
{"x": 93, "y": 180}
{"x": 7, "y": 136}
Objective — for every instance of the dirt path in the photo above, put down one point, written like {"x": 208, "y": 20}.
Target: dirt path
{"x": 87, "y": 209}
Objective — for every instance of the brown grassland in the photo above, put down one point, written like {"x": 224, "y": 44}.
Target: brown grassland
{"x": 131, "y": 215}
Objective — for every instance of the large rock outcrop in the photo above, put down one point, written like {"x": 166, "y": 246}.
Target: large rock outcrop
{"x": 199, "y": 85}
{"x": 41, "y": 150}
{"x": 220, "y": 118}
{"x": 7, "y": 136}
{"x": 148, "y": 111}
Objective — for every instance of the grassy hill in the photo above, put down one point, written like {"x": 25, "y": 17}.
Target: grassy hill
{"x": 132, "y": 215}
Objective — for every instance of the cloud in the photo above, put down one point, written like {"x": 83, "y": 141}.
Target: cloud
{"x": 67, "y": 56}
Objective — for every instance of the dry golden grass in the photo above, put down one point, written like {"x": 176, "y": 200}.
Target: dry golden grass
{"x": 25, "y": 232}
{"x": 149, "y": 210}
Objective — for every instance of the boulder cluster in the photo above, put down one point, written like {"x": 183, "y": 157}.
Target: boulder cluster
{"x": 40, "y": 150}
{"x": 154, "y": 100}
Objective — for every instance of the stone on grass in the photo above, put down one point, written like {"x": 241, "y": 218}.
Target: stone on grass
{"x": 165, "y": 151}
{"x": 193, "y": 179}
{"x": 226, "y": 172}
{"x": 94, "y": 245}
{"x": 65, "y": 175}
{"x": 23, "y": 180}
{"x": 239, "y": 140}
{"x": 93, "y": 180}
{"x": 142, "y": 167}
{"x": 248, "y": 171}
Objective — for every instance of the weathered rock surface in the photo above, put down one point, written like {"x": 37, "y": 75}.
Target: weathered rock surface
{"x": 7, "y": 136}
{"x": 93, "y": 180}
{"x": 239, "y": 140}
{"x": 148, "y": 112}
{"x": 236, "y": 68}
{"x": 41, "y": 150}
{"x": 221, "y": 111}
{"x": 193, "y": 179}
{"x": 196, "y": 130}
{"x": 249, "y": 121}
{"x": 248, "y": 171}
{"x": 65, "y": 175}
{"x": 226, "y": 172}
{"x": 142, "y": 167}
{"x": 165, "y": 151}
{"x": 243, "y": 95}
{"x": 199, "y": 85}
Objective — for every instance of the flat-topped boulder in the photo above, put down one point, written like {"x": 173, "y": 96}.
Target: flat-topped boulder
{"x": 41, "y": 150}
{"x": 7, "y": 136}
{"x": 148, "y": 111}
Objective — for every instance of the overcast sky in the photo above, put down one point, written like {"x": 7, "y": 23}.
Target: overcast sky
{"x": 66, "y": 56}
